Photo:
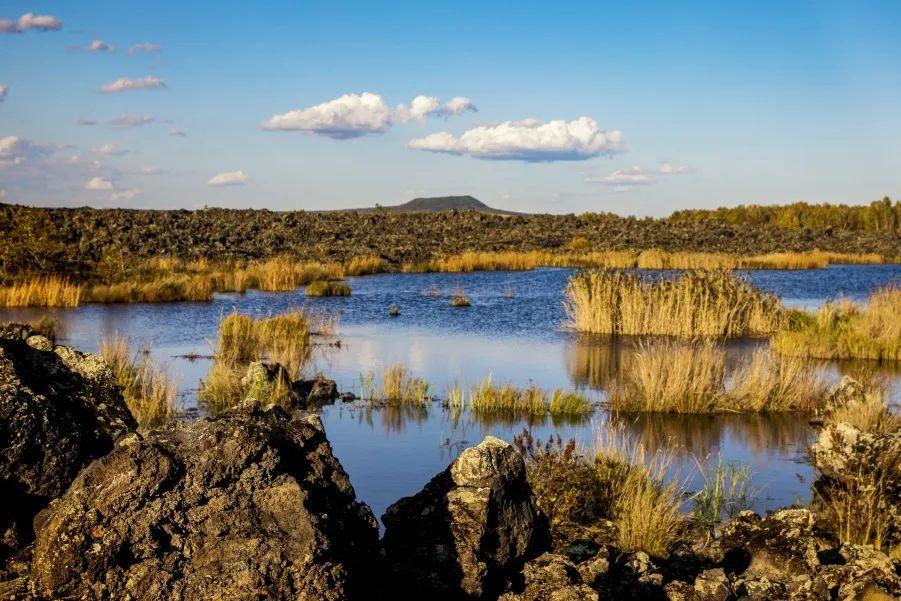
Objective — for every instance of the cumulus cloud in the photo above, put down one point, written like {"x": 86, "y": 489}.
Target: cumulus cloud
{"x": 111, "y": 150}
{"x": 349, "y": 116}
{"x": 126, "y": 83}
{"x": 430, "y": 106}
{"x": 527, "y": 140}
{"x": 126, "y": 121}
{"x": 15, "y": 150}
{"x": 3, "y": 90}
{"x": 630, "y": 176}
{"x": 667, "y": 168}
{"x": 100, "y": 184}
{"x": 30, "y": 21}
{"x": 229, "y": 178}
{"x": 124, "y": 194}
{"x": 145, "y": 47}
{"x": 98, "y": 46}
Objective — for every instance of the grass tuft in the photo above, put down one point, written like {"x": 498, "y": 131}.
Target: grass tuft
{"x": 48, "y": 291}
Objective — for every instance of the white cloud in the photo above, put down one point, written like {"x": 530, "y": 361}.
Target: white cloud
{"x": 111, "y": 150}
{"x": 15, "y": 150}
{"x": 151, "y": 170}
{"x": 3, "y": 90}
{"x": 31, "y": 21}
{"x": 630, "y": 176}
{"x": 427, "y": 106}
{"x": 98, "y": 46}
{"x": 126, "y": 121}
{"x": 124, "y": 194}
{"x": 100, "y": 184}
{"x": 126, "y": 83}
{"x": 671, "y": 169}
{"x": 348, "y": 116}
{"x": 145, "y": 47}
{"x": 229, "y": 178}
{"x": 528, "y": 140}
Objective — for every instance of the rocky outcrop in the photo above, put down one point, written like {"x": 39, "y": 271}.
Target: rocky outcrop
{"x": 469, "y": 530}
{"x": 59, "y": 410}
{"x": 265, "y": 380}
{"x": 317, "y": 391}
{"x": 248, "y": 504}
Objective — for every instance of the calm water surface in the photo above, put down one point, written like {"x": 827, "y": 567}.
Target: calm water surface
{"x": 513, "y": 330}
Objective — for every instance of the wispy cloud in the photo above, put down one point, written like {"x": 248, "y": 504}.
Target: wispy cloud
{"x": 15, "y": 150}
{"x": 229, "y": 178}
{"x": 126, "y": 121}
{"x": 145, "y": 47}
{"x": 97, "y": 47}
{"x": 86, "y": 121}
{"x": 527, "y": 140}
{"x": 111, "y": 150}
{"x": 125, "y": 83}
{"x": 30, "y": 21}
{"x": 3, "y": 90}
{"x": 178, "y": 133}
{"x": 630, "y": 176}
{"x": 668, "y": 168}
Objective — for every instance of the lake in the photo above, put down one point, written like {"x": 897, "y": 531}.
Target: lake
{"x": 514, "y": 331}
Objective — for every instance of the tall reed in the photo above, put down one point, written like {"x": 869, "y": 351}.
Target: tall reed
{"x": 49, "y": 291}
{"x": 712, "y": 304}
{"x": 147, "y": 388}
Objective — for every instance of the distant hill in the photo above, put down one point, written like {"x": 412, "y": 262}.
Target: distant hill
{"x": 442, "y": 203}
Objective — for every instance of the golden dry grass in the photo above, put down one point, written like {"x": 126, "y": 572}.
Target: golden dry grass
{"x": 50, "y": 291}
{"x": 711, "y": 304}
{"x": 488, "y": 399}
{"x": 399, "y": 387}
{"x": 147, "y": 388}
{"x": 846, "y": 330}
{"x": 242, "y": 339}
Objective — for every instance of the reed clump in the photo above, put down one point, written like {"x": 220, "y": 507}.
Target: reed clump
{"x": 707, "y": 304}
{"x": 365, "y": 265}
{"x": 148, "y": 390}
{"x": 326, "y": 288}
{"x": 725, "y": 492}
{"x": 616, "y": 480}
{"x": 460, "y": 299}
{"x": 846, "y": 330}
{"x": 169, "y": 288}
{"x": 50, "y": 291}
{"x": 674, "y": 377}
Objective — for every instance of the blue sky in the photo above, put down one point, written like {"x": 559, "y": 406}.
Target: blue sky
{"x": 688, "y": 104}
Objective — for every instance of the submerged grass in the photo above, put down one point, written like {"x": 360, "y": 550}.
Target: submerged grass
{"x": 708, "y": 304}
{"x": 846, "y": 330}
{"x": 725, "y": 493}
{"x": 325, "y": 288}
{"x": 146, "y": 386}
{"x": 675, "y": 377}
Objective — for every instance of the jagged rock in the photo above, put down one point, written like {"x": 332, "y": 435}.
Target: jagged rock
{"x": 59, "y": 410}
{"x": 551, "y": 577}
{"x": 265, "y": 380}
{"x": 469, "y": 530}
{"x": 712, "y": 585}
{"x": 316, "y": 391}
{"x": 246, "y": 504}
{"x": 842, "y": 453}
{"x": 779, "y": 546}
{"x": 861, "y": 572}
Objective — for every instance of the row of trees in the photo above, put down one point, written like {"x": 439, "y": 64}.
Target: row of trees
{"x": 879, "y": 216}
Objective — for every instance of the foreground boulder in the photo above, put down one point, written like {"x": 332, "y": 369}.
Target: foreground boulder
{"x": 265, "y": 380}
{"x": 59, "y": 410}
{"x": 469, "y": 530}
{"x": 248, "y": 504}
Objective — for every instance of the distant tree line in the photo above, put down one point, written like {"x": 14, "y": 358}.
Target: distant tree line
{"x": 879, "y": 216}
